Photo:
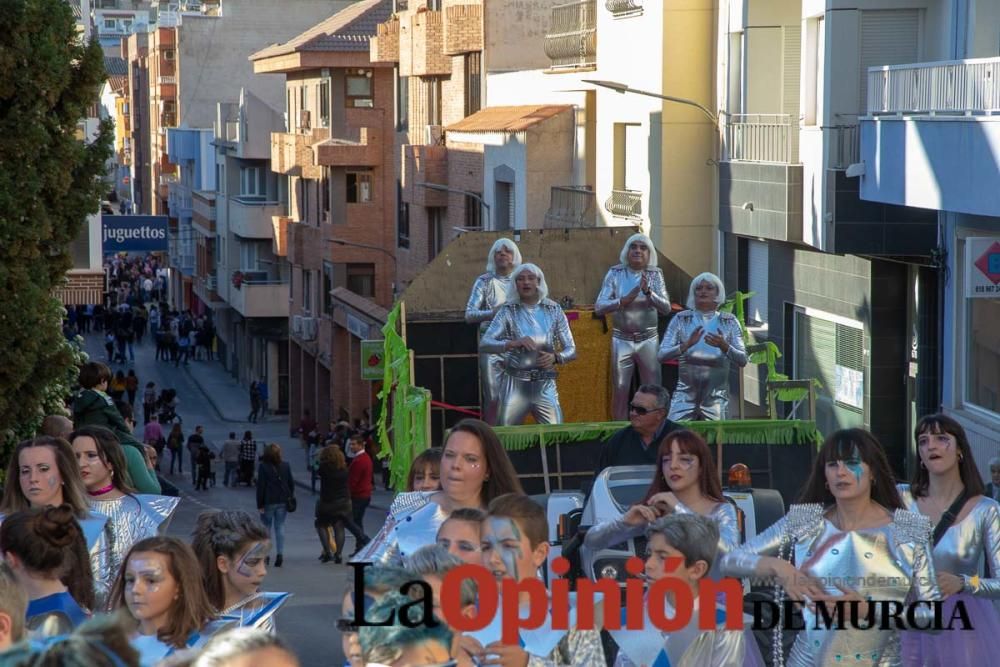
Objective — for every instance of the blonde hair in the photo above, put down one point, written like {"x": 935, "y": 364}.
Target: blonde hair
{"x": 711, "y": 278}
{"x": 645, "y": 240}
{"x": 543, "y": 287}
{"x": 502, "y": 243}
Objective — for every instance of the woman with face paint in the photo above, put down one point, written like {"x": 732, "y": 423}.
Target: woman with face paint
{"x": 475, "y": 469}
{"x": 489, "y": 292}
{"x": 532, "y": 333}
{"x": 131, "y": 517}
{"x": 634, "y": 294}
{"x": 705, "y": 342}
{"x": 948, "y": 489}
{"x": 686, "y": 482}
{"x": 160, "y": 591}
{"x": 850, "y": 529}
{"x": 48, "y": 555}
{"x": 231, "y": 546}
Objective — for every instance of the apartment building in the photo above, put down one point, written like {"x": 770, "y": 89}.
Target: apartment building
{"x": 115, "y": 20}
{"x": 114, "y": 99}
{"x": 930, "y": 138}
{"x": 161, "y": 64}
{"x": 335, "y": 157}
{"x": 192, "y": 152}
{"x": 140, "y": 189}
{"x": 846, "y": 288}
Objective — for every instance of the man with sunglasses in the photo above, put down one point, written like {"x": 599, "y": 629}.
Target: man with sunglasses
{"x": 638, "y": 443}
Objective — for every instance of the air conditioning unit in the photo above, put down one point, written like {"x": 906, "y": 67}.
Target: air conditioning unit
{"x": 305, "y": 119}
{"x": 297, "y": 325}
{"x": 433, "y": 135}
{"x": 212, "y": 283}
{"x": 309, "y": 328}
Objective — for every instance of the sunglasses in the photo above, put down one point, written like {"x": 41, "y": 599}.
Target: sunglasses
{"x": 639, "y": 410}
{"x": 346, "y": 625}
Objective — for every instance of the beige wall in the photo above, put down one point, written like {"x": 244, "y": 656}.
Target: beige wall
{"x": 514, "y": 34}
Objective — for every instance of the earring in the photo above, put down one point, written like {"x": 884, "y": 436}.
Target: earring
{"x": 923, "y": 465}
{"x": 960, "y": 457}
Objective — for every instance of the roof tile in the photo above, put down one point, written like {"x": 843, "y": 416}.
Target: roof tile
{"x": 508, "y": 119}
{"x": 347, "y": 30}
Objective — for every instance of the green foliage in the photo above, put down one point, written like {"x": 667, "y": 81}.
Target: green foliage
{"x": 49, "y": 182}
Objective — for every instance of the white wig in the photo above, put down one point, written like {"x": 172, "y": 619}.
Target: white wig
{"x": 707, "y": 278}
{"x": 645, "y": 240}
{"x": 502, "y": 243}
{"x": 543, "y": 288}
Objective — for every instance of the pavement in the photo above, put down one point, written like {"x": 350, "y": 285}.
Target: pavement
{"x": 210, "y": 397}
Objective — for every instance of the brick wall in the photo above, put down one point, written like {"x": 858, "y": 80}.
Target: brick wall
{"x": 463, "y": 28}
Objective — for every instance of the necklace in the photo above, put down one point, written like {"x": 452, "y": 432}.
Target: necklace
{"x": 100, "y": 492}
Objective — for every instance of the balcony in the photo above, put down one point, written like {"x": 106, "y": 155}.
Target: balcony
{"x": 761, "y": 138}
{"x": 845, "y": 148}
{"x": 292, "y": 155}
{"x": 359, "y": 145}
{"x": 227, "y": 122}
{"x": 203, "y": 212}
{"x": 571, "y": 42}
{"x": 280, "y": 224}
{"x": 260, "y": 297}
{"x": 250, "y": 217}
{"x": 623, "y": 9}
{"x": 463, "y": 29}
{"x": 423, "y": 165}
{"x": 570, "y": 206}
{"x": 932, "y": 136}
{"x": 425, "y": 40}
{"x": 164, "y": 185}
{"x": 206, "y": 287}
{"x": 179, "y": 200}
{"x": 625, "y": 204}
{"x": 384, "y": 46}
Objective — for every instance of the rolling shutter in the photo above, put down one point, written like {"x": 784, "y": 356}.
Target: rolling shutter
{"x": 757, "y": 281}
{"x": 888, "y": 37}
{"x": 821, "y": 345}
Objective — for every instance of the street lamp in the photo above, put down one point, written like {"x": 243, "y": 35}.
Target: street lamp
{"x": 352, "y": 244}
{"x": 474, "y": 195}
{"x": 623, "y": 88}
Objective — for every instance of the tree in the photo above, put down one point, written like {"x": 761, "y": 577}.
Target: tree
{"x": 49, "y": 182}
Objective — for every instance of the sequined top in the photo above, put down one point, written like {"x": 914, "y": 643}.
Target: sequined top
{"x": 545, "y": 323}
{"x": 640, "y": 315}
{"x": 413, "y": 522}
{"x": 488, "y": 292}
{"x": 577, "y": 647}
{"x": 888, "y": 562}
{"x": 257, "y": 610}
{"x": 965, "y": 545}
{"x": 615, "y": 531}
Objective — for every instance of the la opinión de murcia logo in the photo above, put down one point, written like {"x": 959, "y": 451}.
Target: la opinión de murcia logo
{"x": 122, "y": 234}
{"x": 643, "y": 600}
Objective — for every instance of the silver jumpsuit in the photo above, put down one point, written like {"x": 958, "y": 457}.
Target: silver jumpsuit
{"x": 413, "y": 522}
{"x": 703, "y": 381}
{"x": 488, "y": 292}
{"x": 890, "y": 562}
{"x": 634, "y": 330}
{"x": 526, "y": 386}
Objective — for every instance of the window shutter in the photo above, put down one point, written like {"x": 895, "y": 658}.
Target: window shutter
{"x": 757, "y": 281}
{"x": 888, "y": 37}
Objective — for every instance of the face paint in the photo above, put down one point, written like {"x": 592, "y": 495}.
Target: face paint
{"x": 505, "y": 538}
{"x": 250, "y": 559}
{"x": 853, "y": 464}
{"x": 150, "y": 589}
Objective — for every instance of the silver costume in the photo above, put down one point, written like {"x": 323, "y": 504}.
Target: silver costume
{"x": 257, "y": 610}
{"x": 703, "y": 380}
{"x": 890, "y": 562}
{"x": 488, "y": 292}
{"x": 130, "y": 518}
{"x": 526, "y": 386}
{"x": 634, "y": 332}
{"x": 413, "y": 522}
{"x": 603, "y": 535}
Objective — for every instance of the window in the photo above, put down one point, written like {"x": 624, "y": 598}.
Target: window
{"x": 324, "y": 103}
{"x": 248, "y": 256}
{"x": 303, "y": 97}
{"x": 473, "y": 212}
{"x": 288, "y": 109}
{"x": 327, "y": 288}
{"x": 127, "y": 23}
{"x": 402, "y": 101}
{"x": 432, "y": 89}
{"x": 168, "y": 54}
{"x": 109, "y": 24}
{"x": 325, "y": 195}
{"x": 473, "y": 82}
{"x": 358, "y": 88}
{"x": 757, "y": 282}
{"x": 361, "y": 279}
{"x": 402, "y": 218}
{"x": 435, "y": 231}
{"x": 251, "y": 182}
{"x": 303, "y": 200}
{"x": 359, "y": 187}
{"x": 831, "y": 349}
{"x": 307, "y": 290}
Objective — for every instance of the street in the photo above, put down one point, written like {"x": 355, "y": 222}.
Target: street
{"x": 210, "y": 397}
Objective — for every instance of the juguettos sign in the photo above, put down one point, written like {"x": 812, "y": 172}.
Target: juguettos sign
{"x": 133, "y": 233}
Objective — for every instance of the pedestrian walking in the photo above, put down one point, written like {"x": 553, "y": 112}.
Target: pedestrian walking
{"x": 152, "y": 435}
{"x": 131, "y": 386}
{"x": 175, "y": 445}
{"x": 204, "y": 458}
{"x": 148, "y": 402}
{"x": 117, "y": 387}
{"x": 263, "y": 395}
{"x": 360, "y": 476}
{"x": 254, "y": 403}
{"x": 333, "y": 509}
{"x": 248, "y": 458}
{"x": 275, "y": 495}
{"x": 231, "y": 458}
{"x": 183, "y": 350}
{"x": 194, "y": 443}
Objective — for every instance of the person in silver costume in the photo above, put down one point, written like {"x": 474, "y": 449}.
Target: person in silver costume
{"x": 634, "y": 294}
{"x": 948, "y": 489}
{"x": 687, "y": 482}
{"x": 706, "y": 342}
{"x": 849, "y": 534}
{"x": 475, "y": 469}
{"x": 131, "y": 517}
{"x": 532, "y": 333}
{"x": 489, "y": 292}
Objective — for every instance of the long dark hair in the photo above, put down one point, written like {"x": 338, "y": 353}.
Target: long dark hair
{"x": 967, "y": 468}
{"x": 109, "y": 449}
{"x": 74, "y": 491}
{"x": 839, "y": 446}
{"x": 502, "y": 478}
{"x": 222, "y": 533}
{"x": 691, "y": 443}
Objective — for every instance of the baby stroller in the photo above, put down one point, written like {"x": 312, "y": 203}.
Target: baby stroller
{"x": 166, "y": 406}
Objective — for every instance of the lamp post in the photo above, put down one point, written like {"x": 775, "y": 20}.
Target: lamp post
{"x": 478, "y": 197}
{"x": 623, "y": 88}
{"x": 352, "y": 244}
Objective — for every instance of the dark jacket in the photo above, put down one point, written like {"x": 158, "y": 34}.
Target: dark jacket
{"x": 274, "y": 484}
{"x": 334, "y": 494}
{"x": 625, "y": 448}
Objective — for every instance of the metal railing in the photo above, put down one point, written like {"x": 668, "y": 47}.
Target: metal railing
{"x": 953, "y": 87}
{"x": 761, "y": 137}
{"x": 572, "y": 37}
{"x": 624, "y": 204}
{"x": 623, "y": 8}
{"x": 845, "y": 149}
{"x": 570, "y": 206}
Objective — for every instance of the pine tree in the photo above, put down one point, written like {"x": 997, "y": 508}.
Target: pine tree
{"x": 49, "y": 182}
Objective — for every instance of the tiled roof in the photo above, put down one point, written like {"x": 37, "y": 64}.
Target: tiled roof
{"x": 348, "y": 30}
{"x": 508, "y": 119}
{"x": 118, "y": 83}
{"x": 115, "y": 66}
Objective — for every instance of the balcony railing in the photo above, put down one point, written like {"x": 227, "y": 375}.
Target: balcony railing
{"x": 624, "y": 204}
{"x": 953, "y": 87}
{"x": 761, "y": 138}
{"x": 572, "y": 37}
{"x": 251, "y": 217}
{"x": 260, "y": 298}
{"x": 624, "y": 8}
{"x": 844, "y": 147}
{"x": 570, "y": 206}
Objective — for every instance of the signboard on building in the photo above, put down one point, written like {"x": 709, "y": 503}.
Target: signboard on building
{"x": 357, "y": 327}
{"x": 849, "y": 386}
{"x": 982, "y": 268}
{"x": 372, "y": 359}
{"x": 133, "y": 233}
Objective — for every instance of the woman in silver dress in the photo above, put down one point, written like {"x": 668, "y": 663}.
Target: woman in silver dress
{"x": 850, "y": 535}
{"x": 705, "y": 342}
{"x": 475, "y": 469}
{"x": 489, "y": 292}
{"x": 532, "y": 333}
{"x": 948, "y": 490}
{"x": 231, "y": 546}
{"x": 131, "y": 517}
